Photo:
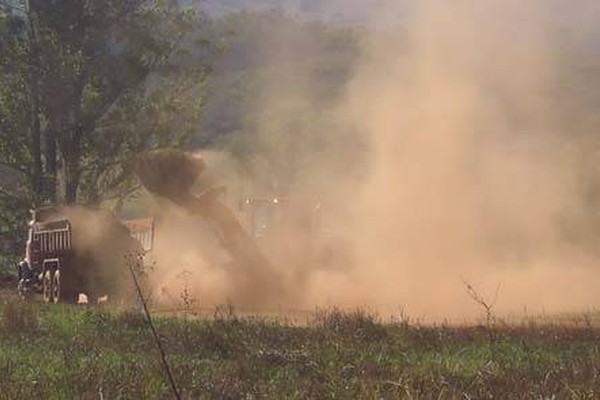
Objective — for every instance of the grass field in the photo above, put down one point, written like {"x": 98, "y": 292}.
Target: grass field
{"x": 76, "y": 352}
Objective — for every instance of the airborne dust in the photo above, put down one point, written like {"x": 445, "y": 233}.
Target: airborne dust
{"x": 448, "y": 163}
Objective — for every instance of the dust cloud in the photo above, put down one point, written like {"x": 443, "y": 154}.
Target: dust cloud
{"x": 463, "y": 172}
{"x": 469, "y": 180}
{"x": 186, "y": 263}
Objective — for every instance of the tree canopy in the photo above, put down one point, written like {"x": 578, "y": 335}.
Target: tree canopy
{"x": 85, "y": 81}
{"x": 84, "y": 86}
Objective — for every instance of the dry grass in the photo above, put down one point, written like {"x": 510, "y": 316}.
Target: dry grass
{"x": 78, "y": 352}
{"x": 18, "y": 317}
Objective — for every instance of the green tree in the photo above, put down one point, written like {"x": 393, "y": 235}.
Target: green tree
{"x": 86, "y": 84}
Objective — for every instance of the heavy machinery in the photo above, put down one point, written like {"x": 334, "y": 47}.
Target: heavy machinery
{"x": 66, "y": 251}
{"x": 143, "y": 230}
{"x": 295, "y": 230}
{"x": 171, "y": 174}
{"x": 265, "y": 216}
{"x": 77, "y": 250}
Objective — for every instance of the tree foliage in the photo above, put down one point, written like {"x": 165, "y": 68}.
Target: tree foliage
{"x": 85, "y": 85}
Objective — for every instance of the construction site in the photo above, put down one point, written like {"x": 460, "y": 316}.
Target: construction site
{"x": 263, "y": 246}
{"x": 299, "y": 199}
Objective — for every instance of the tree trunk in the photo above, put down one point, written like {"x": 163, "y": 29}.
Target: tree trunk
{"x": 36, "y": 150}
{"x": 50, "y": 166}
{"x": 72, "y": 175}
{"x": 71, "y": 152}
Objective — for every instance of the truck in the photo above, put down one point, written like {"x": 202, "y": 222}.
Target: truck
{"x": 295, "y": 229}
{"x": 143, "y": 230}
{"x": 78, "y": 250}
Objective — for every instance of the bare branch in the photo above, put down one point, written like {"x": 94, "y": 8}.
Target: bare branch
{"x": 479, "y": 299}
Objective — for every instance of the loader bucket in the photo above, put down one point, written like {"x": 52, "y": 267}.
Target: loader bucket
{"x": 171, "y": 174}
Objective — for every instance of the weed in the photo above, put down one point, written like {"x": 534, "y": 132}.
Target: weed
{"x": 187, "y": 300}
{"x": 488, "y": 306}
{"x": 133, "y": 261}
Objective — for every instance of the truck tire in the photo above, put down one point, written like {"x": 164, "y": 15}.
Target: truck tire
{"x": 47, "y": 286}
{"x": 22, "y": 290}
{"x": 56, "y": 289}
{"x": 60, "y": 294}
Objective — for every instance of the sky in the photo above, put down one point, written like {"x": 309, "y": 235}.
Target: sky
{"x": 360, "y": 11}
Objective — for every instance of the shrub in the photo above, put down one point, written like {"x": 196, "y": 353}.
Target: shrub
{"x": 359, "y": 323}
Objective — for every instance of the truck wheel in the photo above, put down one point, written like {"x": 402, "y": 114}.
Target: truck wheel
{"x": 56, "y": 289}
{"x": 22, "y": 289}
{"x": 47, "y": 286}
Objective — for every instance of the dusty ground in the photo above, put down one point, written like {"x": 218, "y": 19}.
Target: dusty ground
{"x": 298, "y": 317}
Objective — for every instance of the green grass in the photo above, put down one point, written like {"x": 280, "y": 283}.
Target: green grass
{"x": 65, "y": 352}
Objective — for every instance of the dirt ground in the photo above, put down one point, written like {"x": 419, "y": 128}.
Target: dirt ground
{"x": 298, "y": 317}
